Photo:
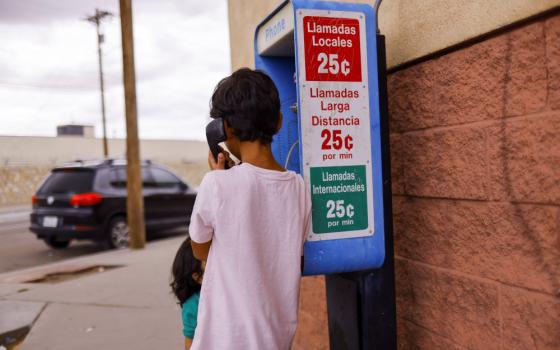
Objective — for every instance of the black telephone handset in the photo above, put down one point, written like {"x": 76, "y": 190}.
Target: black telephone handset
{"x": 216, "y": 133}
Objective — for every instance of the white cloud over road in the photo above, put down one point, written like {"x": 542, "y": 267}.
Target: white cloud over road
{"x": 48, "y": 66}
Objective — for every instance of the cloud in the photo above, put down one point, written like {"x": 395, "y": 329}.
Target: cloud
{"x": 49, "y": 68}
{"x": 40, "y": 12}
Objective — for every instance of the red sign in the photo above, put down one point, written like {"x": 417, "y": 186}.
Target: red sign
{"x": 332, "y": 49}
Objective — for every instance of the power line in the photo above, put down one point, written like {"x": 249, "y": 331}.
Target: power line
{"x": 46, "y": 86}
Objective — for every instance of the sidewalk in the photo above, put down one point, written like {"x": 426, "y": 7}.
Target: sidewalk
{"x": 125, "y": 307}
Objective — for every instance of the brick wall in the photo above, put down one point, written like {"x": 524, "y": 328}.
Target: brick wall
{"x": 313, "y": 328}
{"x": 476, "y": 173}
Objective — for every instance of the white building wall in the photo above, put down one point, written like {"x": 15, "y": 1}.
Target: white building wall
{"x": 31, "y": 150}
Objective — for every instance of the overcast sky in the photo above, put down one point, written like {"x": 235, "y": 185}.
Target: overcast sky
{"x": 49, "y": 68}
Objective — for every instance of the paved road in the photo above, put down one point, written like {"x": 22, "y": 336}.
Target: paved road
{"x": 20, "y": 249}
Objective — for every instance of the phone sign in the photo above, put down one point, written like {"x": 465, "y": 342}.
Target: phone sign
{"x": 335, "y": 122}
{"x": 332, "y": 49}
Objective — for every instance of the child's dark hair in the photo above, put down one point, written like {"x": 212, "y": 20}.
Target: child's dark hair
{"x": 184, "y": 266}
{"x": 248, "y": 100}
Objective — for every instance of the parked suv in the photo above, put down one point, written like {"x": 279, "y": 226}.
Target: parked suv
{"x": 87, "y": 200}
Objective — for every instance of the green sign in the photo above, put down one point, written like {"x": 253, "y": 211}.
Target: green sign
{"x": 339, "y": 198}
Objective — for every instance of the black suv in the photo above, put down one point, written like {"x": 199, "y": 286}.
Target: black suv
{"x": 87, "y": 200}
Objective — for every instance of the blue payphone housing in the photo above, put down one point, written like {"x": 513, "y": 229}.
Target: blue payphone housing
{"x": 276, "y": 46}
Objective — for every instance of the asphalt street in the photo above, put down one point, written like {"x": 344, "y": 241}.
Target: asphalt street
{"x": 19, "y": 248}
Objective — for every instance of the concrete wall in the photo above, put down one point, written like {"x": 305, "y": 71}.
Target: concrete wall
{"x": 32, "y": 150}
{"x": 26, "y": 161}
{"x": 413, "y": 28}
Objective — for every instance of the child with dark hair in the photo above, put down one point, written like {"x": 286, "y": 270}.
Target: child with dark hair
{"x": 249, "y": 103}
{"x": 249, "y": 222}
{"x": 186, "y": 274}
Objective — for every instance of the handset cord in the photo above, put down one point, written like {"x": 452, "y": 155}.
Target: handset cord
{"x": 290, "y": 154}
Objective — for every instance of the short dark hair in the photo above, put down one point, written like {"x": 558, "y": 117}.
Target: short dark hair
{"x": 248, "y": 100}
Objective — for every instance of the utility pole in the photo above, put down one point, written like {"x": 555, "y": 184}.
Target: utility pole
{"x": 134, "y": 199}
{"x": 96, "y": 19}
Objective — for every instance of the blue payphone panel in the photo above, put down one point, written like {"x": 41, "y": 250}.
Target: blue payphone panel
{"x": 322, "y": 57}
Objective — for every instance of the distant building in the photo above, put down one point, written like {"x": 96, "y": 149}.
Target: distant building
{"x": 75, "y": 130}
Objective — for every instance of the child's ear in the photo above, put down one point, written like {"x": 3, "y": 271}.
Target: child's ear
{"x": 279, "y": 125}
{"x": 229, "y": 130}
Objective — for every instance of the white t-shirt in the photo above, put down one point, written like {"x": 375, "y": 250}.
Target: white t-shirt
{"x": 257, "y": 220}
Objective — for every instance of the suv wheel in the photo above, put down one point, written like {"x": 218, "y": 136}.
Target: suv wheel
{"x": 118, "y": 233}
{"x": 57, "y": 243}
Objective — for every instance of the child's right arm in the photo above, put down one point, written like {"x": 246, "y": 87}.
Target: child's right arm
{"x": 201, "y": 228}
{"x": 203, "y": 215}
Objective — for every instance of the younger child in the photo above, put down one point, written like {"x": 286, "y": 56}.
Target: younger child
{"x": 186, "y": 279}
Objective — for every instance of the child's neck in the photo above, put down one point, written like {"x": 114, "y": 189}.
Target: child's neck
{"x": 259, "y": 155}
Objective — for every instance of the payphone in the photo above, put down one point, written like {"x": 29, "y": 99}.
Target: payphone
{"x": 328, "y": 62}
{"x": 322, "y": 57}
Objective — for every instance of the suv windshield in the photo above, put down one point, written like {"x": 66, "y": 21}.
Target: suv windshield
{"x": 68, "y": 181}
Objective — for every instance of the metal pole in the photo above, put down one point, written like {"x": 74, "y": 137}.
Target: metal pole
{"x": 135, "y": 199}
{"x": 381, "y": 322}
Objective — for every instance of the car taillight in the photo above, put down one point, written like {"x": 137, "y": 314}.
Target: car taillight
{"x": 85, "y": 199}
{"x": 34, "y": 200}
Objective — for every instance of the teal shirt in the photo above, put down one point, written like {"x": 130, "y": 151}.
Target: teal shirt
{"x": 189, "y": 313}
